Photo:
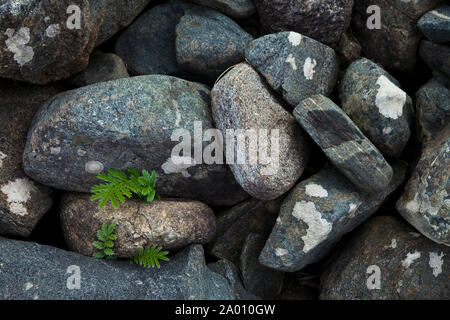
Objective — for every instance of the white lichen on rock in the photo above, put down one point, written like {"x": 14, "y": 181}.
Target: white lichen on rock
{"x": 410, "y": 258}
{"x": 436, "y": 262}
{"x": 52, "y": 30}
{"x": 315, "y": 190}
{"x": 291, "y": 60}
{"x": 295, "y": 38}
{"x": 18, "y": 192}
{"x": 390, "y": 99}
{"x": 94, "y": 167}
{"x": 17, "y": 44}
{"x": 280, "y": 252}
{"x": 308, "y": 68}
{"x": 177, "y": 164}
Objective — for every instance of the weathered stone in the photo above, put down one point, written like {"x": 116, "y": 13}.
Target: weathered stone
{"x": 31, "y": 271}
{"x": 235, "y": 224}
{"x": 315, "y": 216}
{"x": 344, "y": 144}
{"x": 294, "y": 65}
{"x": 295, "y": 289}
{"x": 435, "y": 25}
{"x": 127, "y": 123}
{"x": 395, "y": 44}
{"x": 208, "y": 42}
{"x": 242, "y": 101}
{"x": 323, "y": 20}
{"x": 102, "y": 67}
{"x": 258, "y": 279}
{"x": 409, "y": 266}
{"x": 374, "y": 101}
{"x": 170, "y": 224}
{"x": 436, "y": 56}
{"x": 348, "y": 48}
{"x": 22, "y": 201}
{"x": 425, "y": 202}
{"x": 233, "y": 8}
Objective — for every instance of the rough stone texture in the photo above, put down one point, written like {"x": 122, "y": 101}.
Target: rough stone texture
{"x": 22, "y": 201}
{"x": 411, "y": 266}
{"x": 425, "y": 203}
{"x": 344, "y": 144}
{"x": 348, "y": 48}
{"x": 31, "y": 271}
{"x": 323, "y": 20}
{"x": 395, "y": 44}
{"x": 294, "y": 65}
{"x": 171, "y": 224}
{"x": 435, "y": 25}
{"x": 234, "y": 8}
{"x": 295, "y": 289}
{"x": 235, "y": 224}
{"x": 240, "y": 101}
{"x": 208, "y": 42}
{"x": 102, "y": 67}
{"x": 257, "y": 278}
{"x": 127, "y": 123}
{"x": 379, "y": 107}
{"x": 315, "y": 216}
{"x": 436, "y": 56}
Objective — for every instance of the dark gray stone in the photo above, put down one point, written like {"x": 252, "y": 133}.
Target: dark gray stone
{"x": 32, "y": 271}
{"x": 344, "y": 144}
{"x": 233, "y": 8}
{"x": 294, "y": 65}
{"x": 348, "y": 48}
{"x": 410, "y": 266}
{"x": 436, "y": 56}
{"x": 127, "y": 123}
{"x": 435, "y": 25}
{"x": 315, "y": 216}
{"x": 379, "y": 107}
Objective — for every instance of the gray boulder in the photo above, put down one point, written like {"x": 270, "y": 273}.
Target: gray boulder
{"x": 435, "y": 24}
{"x": 233, "y": 8}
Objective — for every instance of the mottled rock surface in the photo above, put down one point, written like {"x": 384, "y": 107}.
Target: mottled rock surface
{"x": 31, "y": 272}
{"x": 436, "y": 56}
{"x": 127, "y": 123}
{"x": 170, "y": 224}
{"x": 409, "y": 265}
{"x": 343, "y": 143}
{"x": 377, "y": 105}
{"x": 348, "y": 48}
{"x": 242, "y": 101}
{"x": 294, "y": 65}
{"x": 315, "y": 216}
{"x": 233, "y": 8}
{"x": 435, "y": 25}
{"x": 323, "y": 20}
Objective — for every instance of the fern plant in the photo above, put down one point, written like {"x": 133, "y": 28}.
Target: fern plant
{"x": 149, "y": 257}
{"x": 105, "y": 243}
{"x": 119, "y": 186}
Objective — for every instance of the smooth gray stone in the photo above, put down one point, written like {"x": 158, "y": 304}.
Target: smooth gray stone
{"x": 435, "y": 24}
{"x": 436, "y": 56}
{"x": 234, "y": 8}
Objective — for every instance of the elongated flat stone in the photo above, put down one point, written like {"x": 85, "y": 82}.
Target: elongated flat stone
{"x": 315, "y": 216}
{"x": 343, "y": 143}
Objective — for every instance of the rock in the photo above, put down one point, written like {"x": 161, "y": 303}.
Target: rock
{"x": 425, "y": 202}
{"x": 229, "y": 271}
{"x": 241, "y": 101}
{"x": 323, "y": 20}
{"x": 128, "y": 123}
{"x": 395, "y": 44}
{"x": 410, "y": 267}
{"x": 235, "y": 224}
{"x": 102, "y": 67}
{"x": 344, "y": 144}
{"x": 436, "y": 56}
{"x": 234, "y": 8}
{"x": 373, "y": 99}
{"x": 294, "y": 289}
{"x": 170, "y": 224}
{"x": 294, "y": 65}
{"x": 315, "y": 216}
{"x": 258, "y": 279}
{"x": 348, "y": 48}
{"x": 207, "y": 43}
{"x": 33, "y": 271}
{"x": 22, "y": 201}
{"x": 435, "y": 25}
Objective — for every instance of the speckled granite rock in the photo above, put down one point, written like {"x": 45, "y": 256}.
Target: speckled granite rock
{"x": 235, "y": 224}
{"x": 315, "y": 216}
{"x": 31, "y": 272}
{"x": 409, "y": 265}
{"x": 343, "y": 143}
{"x": 102, "y": 67}
{"x": 241, "y": 101}
{"x": 127, "y": 123}
{"x": 208, "y": 42}
{"x": 395, "y": 44}
{"x": 233, "y": 8}
{"x": 379, "y": 107}
{"x": 257, "y": 278}
{"x": 425, "y": 204}
{"x": 294, "y": 65}
{"x": 436, "y": 56}
{"x": 171, "y": 224}
{"x": 323, "y": 20}
{"x": 348, "y": 48}
{"x": 435, "y": 25}
{"x": 22, "y": 201}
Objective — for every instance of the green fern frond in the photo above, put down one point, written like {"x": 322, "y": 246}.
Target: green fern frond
{"x": 105, "y": 242}
{"x": 149, "y": 257}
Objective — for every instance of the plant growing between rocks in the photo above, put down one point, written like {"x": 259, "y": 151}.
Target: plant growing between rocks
{"x": 105, "y": 243}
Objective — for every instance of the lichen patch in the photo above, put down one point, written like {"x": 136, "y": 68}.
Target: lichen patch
{"x": 436, "y": 262}
{"x": 291, "y": 60}
{"x": 316, "y": 190}
{"x": 18, "y": 192}
{"x": 308, "y": 68}
{"x": 52, "y": 30}
{"x": 177, "y": 164}
{"x": 390, "y": 99}
{"x": 410, "y": 258}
